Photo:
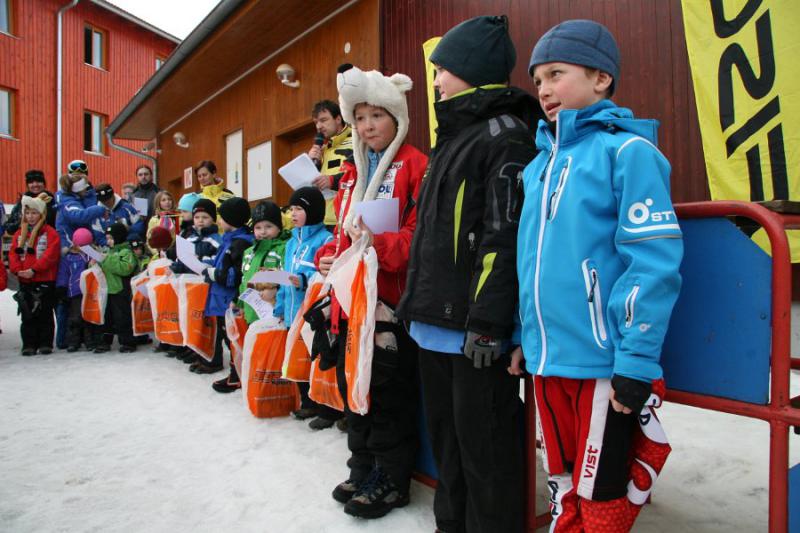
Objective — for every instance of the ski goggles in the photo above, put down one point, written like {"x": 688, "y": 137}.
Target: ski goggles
{"x": 77, "y": 167}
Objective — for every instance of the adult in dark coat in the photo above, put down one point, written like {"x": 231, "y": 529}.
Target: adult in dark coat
{"x": 35, "y": 184}
{"x": 146, "y": 188}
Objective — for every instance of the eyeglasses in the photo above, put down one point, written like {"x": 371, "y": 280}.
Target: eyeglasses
{"x": 78, "y": 167}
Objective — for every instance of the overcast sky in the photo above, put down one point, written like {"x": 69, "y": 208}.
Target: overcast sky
{"x": 178, "y": 17}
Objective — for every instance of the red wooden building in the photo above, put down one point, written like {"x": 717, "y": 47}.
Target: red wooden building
{"x": 103, "y": 55}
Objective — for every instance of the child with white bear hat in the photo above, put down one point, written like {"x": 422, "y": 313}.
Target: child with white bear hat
{"x": 383, "y": 443}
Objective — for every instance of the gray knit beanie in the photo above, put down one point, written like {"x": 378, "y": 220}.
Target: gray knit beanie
{"x": 580, "y": 42}
{"x": 479, "y": 51}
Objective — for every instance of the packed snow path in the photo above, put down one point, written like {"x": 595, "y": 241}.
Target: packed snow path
{"x": 135, "y": 442}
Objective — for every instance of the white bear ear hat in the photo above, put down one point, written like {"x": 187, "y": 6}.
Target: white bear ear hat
{"x": 373, "y": 88}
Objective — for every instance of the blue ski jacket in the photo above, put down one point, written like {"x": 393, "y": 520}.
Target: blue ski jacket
{"x": 122, "y": 212}
{"x": 226, "y": 274}
{"x": 298, "y": 259}
{"x": 598, "y": 249}
{"x": 75, "y": 212}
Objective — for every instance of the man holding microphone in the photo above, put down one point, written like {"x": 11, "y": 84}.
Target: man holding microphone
{"x": 333, "y": 144}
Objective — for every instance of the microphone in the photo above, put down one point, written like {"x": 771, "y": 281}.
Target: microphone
{"x": 319, "y": 140}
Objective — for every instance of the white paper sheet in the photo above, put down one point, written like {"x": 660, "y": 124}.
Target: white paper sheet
{"x": 141, "y": 205}
{"x": 253, "y": 298}
{"x": 186, "y": 255}
{"x": 93, "y": 253}
{"x": 300, "y": 172}
{"x": 380, "y": 216}
{"x": 281, "y": 277}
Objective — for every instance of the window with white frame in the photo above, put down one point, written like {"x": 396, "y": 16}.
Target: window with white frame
{"x": 159, "y": 62}
{"x": 94, "y": 47}
{"x": 6, "y": 112}
{"x": 5, "y": 16}
{"x": 93, "y": 126}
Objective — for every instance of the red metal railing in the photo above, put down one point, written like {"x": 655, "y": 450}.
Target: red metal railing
{"x": 779, "y": 412}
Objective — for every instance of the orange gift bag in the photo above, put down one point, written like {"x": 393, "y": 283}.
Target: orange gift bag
{"x": 325, "y": 387}
{"x": 199, "y": 331}
{"x": 236, "y": 328}
{"x": 95, "y": 295}
{"x": 159, "y": 267}
{"x": 354, "y": 278}
{"x": 141, "y": 312}
{"x": 296, "y": 360}
{"x": 267, "y": 394}
{"x": 164, "y": 303}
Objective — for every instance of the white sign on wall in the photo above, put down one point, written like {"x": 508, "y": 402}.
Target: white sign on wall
{"x": 259, "y": 171}
{"x": 233, "y": 162}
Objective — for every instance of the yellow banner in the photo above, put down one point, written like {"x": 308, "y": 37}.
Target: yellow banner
{"x": 430, "y": 73}
{"x": 746, "y": 74}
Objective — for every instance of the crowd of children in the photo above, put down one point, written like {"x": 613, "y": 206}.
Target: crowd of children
{"x": 521, "y": 249}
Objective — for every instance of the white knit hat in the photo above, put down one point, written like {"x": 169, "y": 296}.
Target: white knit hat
{"x": 37, "y": 204}
{"x": 373, "y": 88}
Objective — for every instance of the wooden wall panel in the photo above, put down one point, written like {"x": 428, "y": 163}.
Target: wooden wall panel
{"x": 28, "y": 65}
{"x": 655, "y": 80}
{"x": 266, "y": 110}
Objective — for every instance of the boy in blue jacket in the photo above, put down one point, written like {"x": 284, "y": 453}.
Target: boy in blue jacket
{"x": 597, "y": 257}
{"x": 226, "y": 274}
{"x": 119, "y": 210}
{"x": 308, "y": 234}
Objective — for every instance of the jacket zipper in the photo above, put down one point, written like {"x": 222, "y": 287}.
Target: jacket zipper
{"x": 630, "y": 302}
{"x": 594, "y": 299}
{"x": 292, "y": 289}
{"x": 555, "y": 198}
{"x": 537, "y": 271}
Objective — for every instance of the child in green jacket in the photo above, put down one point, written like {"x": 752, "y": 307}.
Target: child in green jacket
{"x": 265, "y": 254}
{"x": 118, "y": 266}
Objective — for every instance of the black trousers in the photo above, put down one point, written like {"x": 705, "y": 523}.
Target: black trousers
{"x": 35, "y": 304}
{"x": 118, "y": 320}
{"x": 387, "y": 435}
{"x": 77, "y": 328}
{"x": 222, "y": 336}
{"x": 474, "y": 418}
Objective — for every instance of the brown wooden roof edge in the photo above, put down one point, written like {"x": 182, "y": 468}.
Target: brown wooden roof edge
{"x": 207, "y": 26}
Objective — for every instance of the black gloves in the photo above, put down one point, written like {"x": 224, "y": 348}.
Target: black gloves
{"x": 631, "y": 393}
{"x": 483, "y": 350}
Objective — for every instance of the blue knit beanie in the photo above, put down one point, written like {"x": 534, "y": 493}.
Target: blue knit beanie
{"x": 580, "y": 42}
{"x": 479, "y": 51}
{"x": 187, "y": 201}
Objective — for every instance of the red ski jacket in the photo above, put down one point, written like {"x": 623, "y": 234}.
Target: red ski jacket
{"x": 42, "y": 258}
{"x": 402, "y": 181}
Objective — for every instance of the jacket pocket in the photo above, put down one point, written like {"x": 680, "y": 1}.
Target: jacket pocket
{"x": 594, "y": 299}
{"x": 630, "y": 305}
{"x": 555, "y": 196}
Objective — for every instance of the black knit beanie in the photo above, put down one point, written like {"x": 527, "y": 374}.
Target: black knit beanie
{"x": 312, "y": 202}
{"x": 235, "y": 211}
{"x": 204, "y": 205}
{"x": 479, "y": 51}
{"x": 118, "y": 232}
{"x": 269, "y": 211}
{"x": 34, "y": 175}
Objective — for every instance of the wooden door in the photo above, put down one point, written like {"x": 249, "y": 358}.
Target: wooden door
{"x": 289, "y": 145}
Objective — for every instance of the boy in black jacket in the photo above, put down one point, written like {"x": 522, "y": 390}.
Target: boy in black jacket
{"x": 461, "y": 291}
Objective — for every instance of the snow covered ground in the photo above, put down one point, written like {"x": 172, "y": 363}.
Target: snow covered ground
{"x": 135, "y": 442}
